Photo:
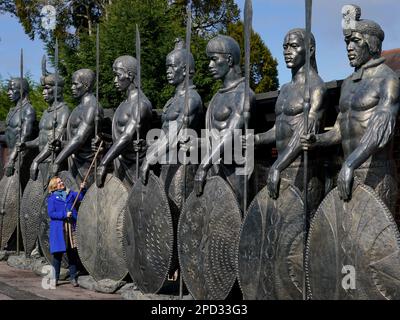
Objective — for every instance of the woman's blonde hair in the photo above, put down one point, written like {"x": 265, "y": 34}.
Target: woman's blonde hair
{"x": 53, "y": 184}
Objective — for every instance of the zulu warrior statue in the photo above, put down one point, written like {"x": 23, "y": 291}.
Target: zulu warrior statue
{"x": 80, "y": 128}
{"x": 125, "y": 125}
{"x": 368, "y": 105}
{"x": 289, "y": 125}
{"x": 225, "y": 112}
{"x": 173, "y": 113}
{"x": 353, "y": 228}
{"x": 55, "y": 117}
{"x": 278, "y": 208}
{"x": 16, "y": 130}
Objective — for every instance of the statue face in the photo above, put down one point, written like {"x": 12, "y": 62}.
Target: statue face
{"x": 122, "y": 78}
{"x": 294, "y": 51}
{"x": 219, "y": 65}
{"x": 175, "y": 70}
{"x": 48, "y": 93}
{"x": 357, "y": 49}
{"x": 13, "y": 91}
{"x": 78, "y": 87}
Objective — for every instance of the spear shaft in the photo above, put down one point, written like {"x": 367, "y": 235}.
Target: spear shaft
{"x": 19, "y": 152}
{"x": 139, "y": 88}
{"x": 248, "y": 20}
{"x": 307, "y": 101}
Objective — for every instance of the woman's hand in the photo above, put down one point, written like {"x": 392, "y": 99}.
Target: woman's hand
{"x": 83, "y": 185}
{"x": 69, "y": 214}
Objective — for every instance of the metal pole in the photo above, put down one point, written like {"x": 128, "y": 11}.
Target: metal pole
{"x": 185, "y": 119}
{"x": 307, "y": 100}
{"x": 248, "y": 20}
{"x": 55, "y": 100}
{"x": 139, "y": 88}
{"x": 96, "y": 121}
{"x": 19, "y": 152}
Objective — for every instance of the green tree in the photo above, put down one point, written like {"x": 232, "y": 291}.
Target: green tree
{"x": 263, "y": 67}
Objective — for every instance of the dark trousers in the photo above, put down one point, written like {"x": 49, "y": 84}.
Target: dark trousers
{"x": 72, "y": 256}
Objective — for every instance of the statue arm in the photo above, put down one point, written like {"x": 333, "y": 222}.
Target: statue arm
{"x": 380, "y": 127}
{"x": 61, "y": 125}
{"x": 265, "y": 137}
{"x": 227, "y": 136}
{"x": 27, "y": 124}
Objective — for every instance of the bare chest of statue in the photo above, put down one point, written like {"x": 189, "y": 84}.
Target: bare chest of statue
{"x": 45, "y": 128}
{"x": 124, "y": 115}
{"x": 223, "y": 107}
{"x": 76, "y": 118}
{"x": 173, "y": 109}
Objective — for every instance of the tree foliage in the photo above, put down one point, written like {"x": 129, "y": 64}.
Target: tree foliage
{"x": 160, "y": 23}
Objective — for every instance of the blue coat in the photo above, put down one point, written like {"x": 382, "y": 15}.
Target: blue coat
{"x": 57, "y": 209}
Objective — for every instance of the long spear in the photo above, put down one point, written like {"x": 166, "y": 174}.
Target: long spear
{"x": 20, "y": 142}
{"x": 96, "y": 120}
{"x": 185, "y": 119}
{"x": 307, "y": 101}
{"x": 248, "y": 20}
{"x": 55, "y": 100}
{"x": 139, "y": 88}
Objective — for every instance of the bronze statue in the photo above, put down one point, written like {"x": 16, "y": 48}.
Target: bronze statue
{"x": 172, "y": 119}
{"x": 125, "y": 125}
{"x": 270, "y": 243}
{"x": 353, "y": 232}
{"x": 81, "y": 127}
{"x": 55, "y": 117}
{"x": 289, "y": 125}
{"x": 14, "y": 128}
{"x": 368, "y": 107}
{"x": 225, "y": 112}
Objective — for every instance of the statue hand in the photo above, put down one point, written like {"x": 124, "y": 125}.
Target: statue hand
{"x": 139, "y": 146}
{"x": 308, "y": 141}
{"x": 34, "y": 170}
{"x": 9, "y": 170}
{"x": 101, "y": 173}
{"x": 54, "y": 145}
{"x": 144, "y": 172}
{"x": 95, "y": 144}
{"x": 273, "y": 183}
{"x": 199, "y": 180}
{"x": 20, "y": 146}
{"x": 185, "y": 143}
{"x": 246, "y": 138}
{"x": 345, "y": 182}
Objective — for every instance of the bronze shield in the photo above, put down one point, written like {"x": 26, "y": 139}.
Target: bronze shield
{"x": 100, "y": 230}
{"x": 353, "y": 248}
{"x": 271, "y": 246}
{"x": 208, "y": 233}
{"x": 148, "y": 236}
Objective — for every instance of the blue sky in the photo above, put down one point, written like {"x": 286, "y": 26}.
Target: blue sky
{"x": 272, "y": 19}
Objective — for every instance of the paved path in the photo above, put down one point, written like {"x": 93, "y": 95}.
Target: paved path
{"x": 18, "y": 284}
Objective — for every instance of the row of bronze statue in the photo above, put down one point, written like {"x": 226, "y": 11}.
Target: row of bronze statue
{"x": 190, "y": 217}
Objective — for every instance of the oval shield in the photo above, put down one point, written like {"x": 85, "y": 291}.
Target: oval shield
{"x": 44, "y": 227}
{"x": 270, "y": 263}
{"x": 8, "y": 208}
{"x": 208, "y": 233}
{"x": 148, "y": 236}
{"x": 100, "y": 230}
{"x": 31, "y": 204}
{"x": 353, "y": 248}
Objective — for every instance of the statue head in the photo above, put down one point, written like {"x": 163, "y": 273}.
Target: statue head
{"x": 14, "y": 89}
{"x": 125, "y": 70}
{"x": 48, "y": 82}
{"x": 294, "y": 49}
{"x": 363, "y": 37}
{"x": 176, "y": 64}
{"x": 83, "y": 81}
{"x": 224, "y": 53}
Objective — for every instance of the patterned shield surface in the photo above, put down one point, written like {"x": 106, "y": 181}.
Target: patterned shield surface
{"x": 31, "y": 205}
{"x": 270, "y": 260}
{"x": 44, "y": 227}
{"x": 208, "y": 233}
{"x": 353, "y": 248}
{"x": 148, "y": 235}
{"x": 8, "y": 208}
{"x": 100, "y": 230}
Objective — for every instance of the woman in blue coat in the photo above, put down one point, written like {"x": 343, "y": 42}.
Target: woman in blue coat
{"x": 59, "y": 205}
